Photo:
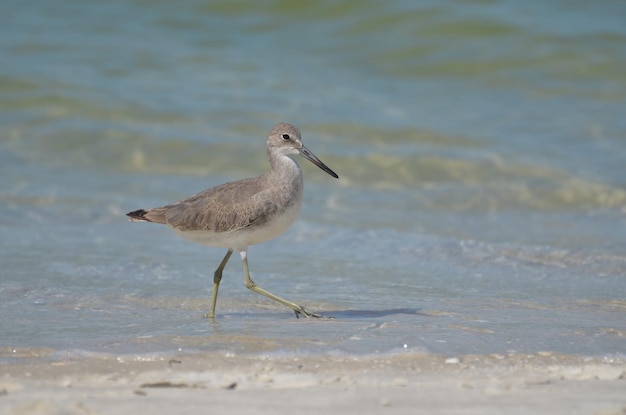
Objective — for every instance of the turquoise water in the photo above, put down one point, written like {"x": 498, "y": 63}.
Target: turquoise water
{"x": 481, "y": 149}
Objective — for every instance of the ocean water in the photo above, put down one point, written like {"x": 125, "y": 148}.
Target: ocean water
{"x": 481, "y": 149}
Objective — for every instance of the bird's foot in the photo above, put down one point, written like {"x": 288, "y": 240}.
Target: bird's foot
{"x": 299, "y": 310}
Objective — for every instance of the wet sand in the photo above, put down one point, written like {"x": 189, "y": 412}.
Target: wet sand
{"x": 543, "y": 383}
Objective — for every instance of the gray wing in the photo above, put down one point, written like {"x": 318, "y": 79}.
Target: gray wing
{"x": 227, "y": 207}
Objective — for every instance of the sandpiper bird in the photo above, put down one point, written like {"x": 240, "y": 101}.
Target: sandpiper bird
{"x": 245, "y": 212}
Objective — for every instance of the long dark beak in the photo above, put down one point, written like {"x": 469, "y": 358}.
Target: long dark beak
{"x": 304, "y": 152}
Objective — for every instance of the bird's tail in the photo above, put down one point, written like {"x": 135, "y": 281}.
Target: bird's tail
{"x": 138, "y": 216}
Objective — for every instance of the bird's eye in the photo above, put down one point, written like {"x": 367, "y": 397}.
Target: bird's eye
{"x": 286, "y": 137}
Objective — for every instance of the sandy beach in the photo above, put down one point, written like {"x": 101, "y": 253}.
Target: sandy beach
{"x": 543, "y": 383}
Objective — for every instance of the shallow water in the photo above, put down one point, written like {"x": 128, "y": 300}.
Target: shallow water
{"x": 481, "y": 205}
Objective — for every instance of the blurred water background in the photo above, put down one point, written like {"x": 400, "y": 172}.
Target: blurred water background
{"x": 481, "y": 149}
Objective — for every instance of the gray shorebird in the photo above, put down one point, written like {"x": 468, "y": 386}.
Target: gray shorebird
{"x": 245, "y": 212}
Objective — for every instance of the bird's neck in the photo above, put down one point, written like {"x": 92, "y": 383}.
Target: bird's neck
{"x": 284, "y": 169}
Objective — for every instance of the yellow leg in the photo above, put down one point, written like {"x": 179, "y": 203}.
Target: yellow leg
{"x": 217, "y": 277}
{"x": 254, "y": 287}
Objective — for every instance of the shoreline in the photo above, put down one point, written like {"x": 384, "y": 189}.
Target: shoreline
{"x": 403, "y": 383}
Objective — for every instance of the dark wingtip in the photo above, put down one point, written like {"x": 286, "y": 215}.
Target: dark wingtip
{"x": 137, "y": 214}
